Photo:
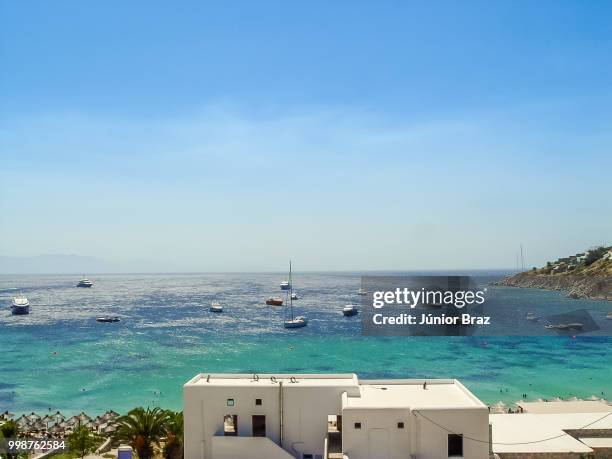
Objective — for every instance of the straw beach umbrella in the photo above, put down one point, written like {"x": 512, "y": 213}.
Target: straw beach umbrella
{"x": 498, "y": 407}
{"x": 37, "y": 426}
{"x": 593, "y": 398}
{"x": 56, "y": 429}
{"x": 109, "y": 429}
{"x": 22, "y": 421}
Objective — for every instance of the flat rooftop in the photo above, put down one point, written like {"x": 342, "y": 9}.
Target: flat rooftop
{"x": 543, "y": 433}
{"x": 580, "y": 406}
{"x": 267, "y": 379}
{"x": 409, "y": 393}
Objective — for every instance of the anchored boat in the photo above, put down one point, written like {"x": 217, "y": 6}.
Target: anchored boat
{"x": 85, "y": 283}
{"x": 274, "y": 301}
{"x": 20, "y": 305}
{"x": 108, "y": 319}
{"x": 350, "y": 310}
{"x": 285, "y": 285}
{"x": 215, "y": 306}
{"x": 573, "y": 326}
{"x": 297, "y": 321}
{"x": 531, "y": 317}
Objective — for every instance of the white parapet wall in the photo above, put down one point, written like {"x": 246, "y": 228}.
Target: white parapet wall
{"x": 247, "y": 448}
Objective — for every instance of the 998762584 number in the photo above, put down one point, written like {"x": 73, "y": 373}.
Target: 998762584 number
{"x": 18, "y": 445}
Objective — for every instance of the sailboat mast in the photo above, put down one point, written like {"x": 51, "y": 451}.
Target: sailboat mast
{"x": 290, "y": 290}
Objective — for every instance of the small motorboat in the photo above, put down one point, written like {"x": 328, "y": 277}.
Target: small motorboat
{"x": 361, "y": 292}
{"x": 531, "y": 317}
{"x": 573, "y": 326}
{"x": 296, "y": 322}
{"x": 609, "y": 316}
{"x": 20, "y": 305}
{"x": 215, "y": 306}
{"x": 350, "y": 310}
{"x": 294, "y": 296}
{"x": 108, "y": 319}
{"x": 274, "y": 301}
{"x": 85, "y": 283}
{"x": 285, "y": 285}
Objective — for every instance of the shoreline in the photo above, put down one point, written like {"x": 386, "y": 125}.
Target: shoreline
{"x": 576, "y": 286}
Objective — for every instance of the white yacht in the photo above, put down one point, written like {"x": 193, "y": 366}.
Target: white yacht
{"x": 361, "y": 292}
{"x": 531, "y": 317}
{"x": 350, "y": 310}
{"x": 85, "y": 283}
{"x": 215, "y": 306}
{"x": 294, "y": 296}
{"x": 609, "y": 316}
{"x": 20, "y": 305}
{"x": 285, "y": 285}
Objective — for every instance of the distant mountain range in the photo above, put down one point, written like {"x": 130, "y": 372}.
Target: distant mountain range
{"x": 54, "y": 264}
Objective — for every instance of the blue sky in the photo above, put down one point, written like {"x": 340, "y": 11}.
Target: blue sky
{"x": 345, "y": 135}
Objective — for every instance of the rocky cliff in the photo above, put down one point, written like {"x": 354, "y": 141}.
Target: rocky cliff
{"x": 584, "y": 275}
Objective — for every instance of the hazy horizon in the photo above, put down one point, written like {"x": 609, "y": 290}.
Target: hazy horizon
{"x": 387, "y": 136}
{"x": 55, "y": 264}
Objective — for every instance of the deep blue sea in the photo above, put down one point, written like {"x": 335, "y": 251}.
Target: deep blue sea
{"x": 59, "y": 357}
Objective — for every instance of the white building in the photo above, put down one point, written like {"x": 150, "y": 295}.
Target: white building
{"x": 554, "y": 430}
{"x": 234, "y": 416}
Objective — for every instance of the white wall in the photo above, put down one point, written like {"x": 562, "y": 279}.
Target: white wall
{"x": 206, "y": 406}
{"x": 305, "y": 410}
{"x": 379, "y": 436}
{"x": 431, "y": 441}
{"x": 246, "y": 448}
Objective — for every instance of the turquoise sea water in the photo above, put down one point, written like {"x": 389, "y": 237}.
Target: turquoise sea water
{"x": 59, "y": 357}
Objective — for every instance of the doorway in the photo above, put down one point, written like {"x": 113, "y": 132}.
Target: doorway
{"x": 230, "y": 425}
{"x": 259, "y": 425}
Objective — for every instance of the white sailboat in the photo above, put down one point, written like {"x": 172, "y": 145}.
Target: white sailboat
{"x": 297, "y": 321}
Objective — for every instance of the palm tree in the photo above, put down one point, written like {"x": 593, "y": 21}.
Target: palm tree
{"x": 9, "y": 429}
{"x": 142, "y": 429}
{"x": 82, "y": 442}
{"x": 174, "y": 436}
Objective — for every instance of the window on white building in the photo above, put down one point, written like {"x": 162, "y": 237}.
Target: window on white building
{"x": 230, "y": 402}
{"x": 455, "y": 445}
{"x": 358, "y": 425}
